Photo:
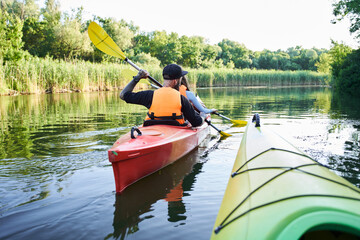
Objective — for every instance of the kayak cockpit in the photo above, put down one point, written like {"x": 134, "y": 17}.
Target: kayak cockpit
{"x": 325, "y": 224}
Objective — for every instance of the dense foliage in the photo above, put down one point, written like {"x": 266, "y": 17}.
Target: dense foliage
{"x": 48, "y": 32}
{"x": 348, "y": 78}
{"x": 350, "y": 9}
{"x": 346, "y": 61}
{"x": 28, "y": 32}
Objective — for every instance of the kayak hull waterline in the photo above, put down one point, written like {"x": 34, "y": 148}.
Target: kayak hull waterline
{"x": 156, "y": 147}
{"x": 277, "y": 192}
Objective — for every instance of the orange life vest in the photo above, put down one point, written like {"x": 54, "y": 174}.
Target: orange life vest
{"x": 182, "y": 90}
{"x": 166, "y": 105}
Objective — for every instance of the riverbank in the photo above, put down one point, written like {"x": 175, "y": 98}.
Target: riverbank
{"x": 45, "y": 75}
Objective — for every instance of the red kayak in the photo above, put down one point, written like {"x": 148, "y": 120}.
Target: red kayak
{"x": 145, "y": 150}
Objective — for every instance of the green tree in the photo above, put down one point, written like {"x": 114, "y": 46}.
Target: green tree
{"x": 284, "y": 61}
{"x": 307, "y": 59}
{"x": 51, "y": 12}
{"x": 166, "y": 48}
{"x": 278, "y": 60}
{"x": 70, "y": 41}
{"x": 324, "y": 63}
{"x": 10, "y": 37}
{"x": 172, "y": 50}
{"x": 34, "y": 37}
{"x": 191, "y": 48}
{"x": 51, "y": 20}
{"x": 338, "y": 53}
{"x": 219, "y": 63}
{"x": 235, "y": 52}
{"x": 254, "y": 56}
{"x": 209, "y": 55}
{"x": 349, "y": 76}
{"x": 31, "y": 10}
{"x": 350, "y": 9}
{"x": 22, "y": 9}
{"x": 295, "y": 58}
{"x": 146, "y": 59}
{"x": 141, "y": 43}
{"x": 210, "y": 52}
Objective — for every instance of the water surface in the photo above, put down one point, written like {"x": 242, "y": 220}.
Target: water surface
{"x": 56, "y": 181}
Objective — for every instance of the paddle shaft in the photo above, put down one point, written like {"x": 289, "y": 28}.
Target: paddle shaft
{"x": 240, "y": 123}
{"x": 212, "y": 125}
{"x": 137, "y": 68}
{"x": 222, "y": 116}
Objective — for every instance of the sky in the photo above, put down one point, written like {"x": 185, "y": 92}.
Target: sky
{"x": 258, "y": 24}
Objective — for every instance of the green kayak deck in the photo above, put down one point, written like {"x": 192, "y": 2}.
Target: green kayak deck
{"x": 277, "y": 192}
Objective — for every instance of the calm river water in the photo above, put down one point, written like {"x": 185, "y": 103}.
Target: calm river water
{"x": 56, "y": 181}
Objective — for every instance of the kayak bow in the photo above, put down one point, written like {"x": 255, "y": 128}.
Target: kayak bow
{"x": 145, "y": 150}
{"x": 277, "y": 192}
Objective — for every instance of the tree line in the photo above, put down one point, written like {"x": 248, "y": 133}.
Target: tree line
{"x": 27, "y": 30}
{"x": 49, "y": 32}
{"x": 345, "y": 62}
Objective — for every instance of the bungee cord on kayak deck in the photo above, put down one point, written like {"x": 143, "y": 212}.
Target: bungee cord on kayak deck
{"x": 220, "y": 227}
{"x": 226, "y": 221}
{"x": 262, "y": 185}
{"x": 303, "y": 171}
{"x": 288, "y": 169}
{"x": 279, "y": 149}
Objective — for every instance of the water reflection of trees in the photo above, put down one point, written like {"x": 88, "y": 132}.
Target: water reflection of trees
{"x": 300, "y": 102}
{"x": 34, "y": 124}
{"x": 344, "y": 105}
{"x": 240, "y": 102}
{"x": 171, "y": 184}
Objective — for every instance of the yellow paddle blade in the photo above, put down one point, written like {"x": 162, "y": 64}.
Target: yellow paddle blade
{"x": 103, "y": 41}
{"x": 128, "y": 73}
{"x": 239, "y": 123}
{"x": 224, "y": 134}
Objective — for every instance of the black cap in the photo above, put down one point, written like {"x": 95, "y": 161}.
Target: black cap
{"x": 173, "y": 71}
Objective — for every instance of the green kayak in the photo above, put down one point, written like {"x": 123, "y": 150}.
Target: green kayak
{"x": 277, "y": 192}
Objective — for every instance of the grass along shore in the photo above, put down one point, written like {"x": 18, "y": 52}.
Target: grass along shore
{"x": 44, "y": 75}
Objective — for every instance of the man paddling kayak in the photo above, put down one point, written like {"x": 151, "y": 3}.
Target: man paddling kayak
{"x": 166, "y": 105}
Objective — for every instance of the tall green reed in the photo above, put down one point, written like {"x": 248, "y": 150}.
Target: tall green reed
{"x": 250, "y": 77}
{"x": 38, "y": 75}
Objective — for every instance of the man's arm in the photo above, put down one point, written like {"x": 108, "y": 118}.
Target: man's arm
{"x": 131, "y": 85}
{"x": 141, "y": 98}
{"x": 190, "y": 114}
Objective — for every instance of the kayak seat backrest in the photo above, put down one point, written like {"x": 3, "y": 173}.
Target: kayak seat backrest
{"x": 152, "y": 122}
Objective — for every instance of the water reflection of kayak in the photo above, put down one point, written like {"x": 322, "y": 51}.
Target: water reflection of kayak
{"x": 170, "y": 184}
{"x": 277, "y": 192}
